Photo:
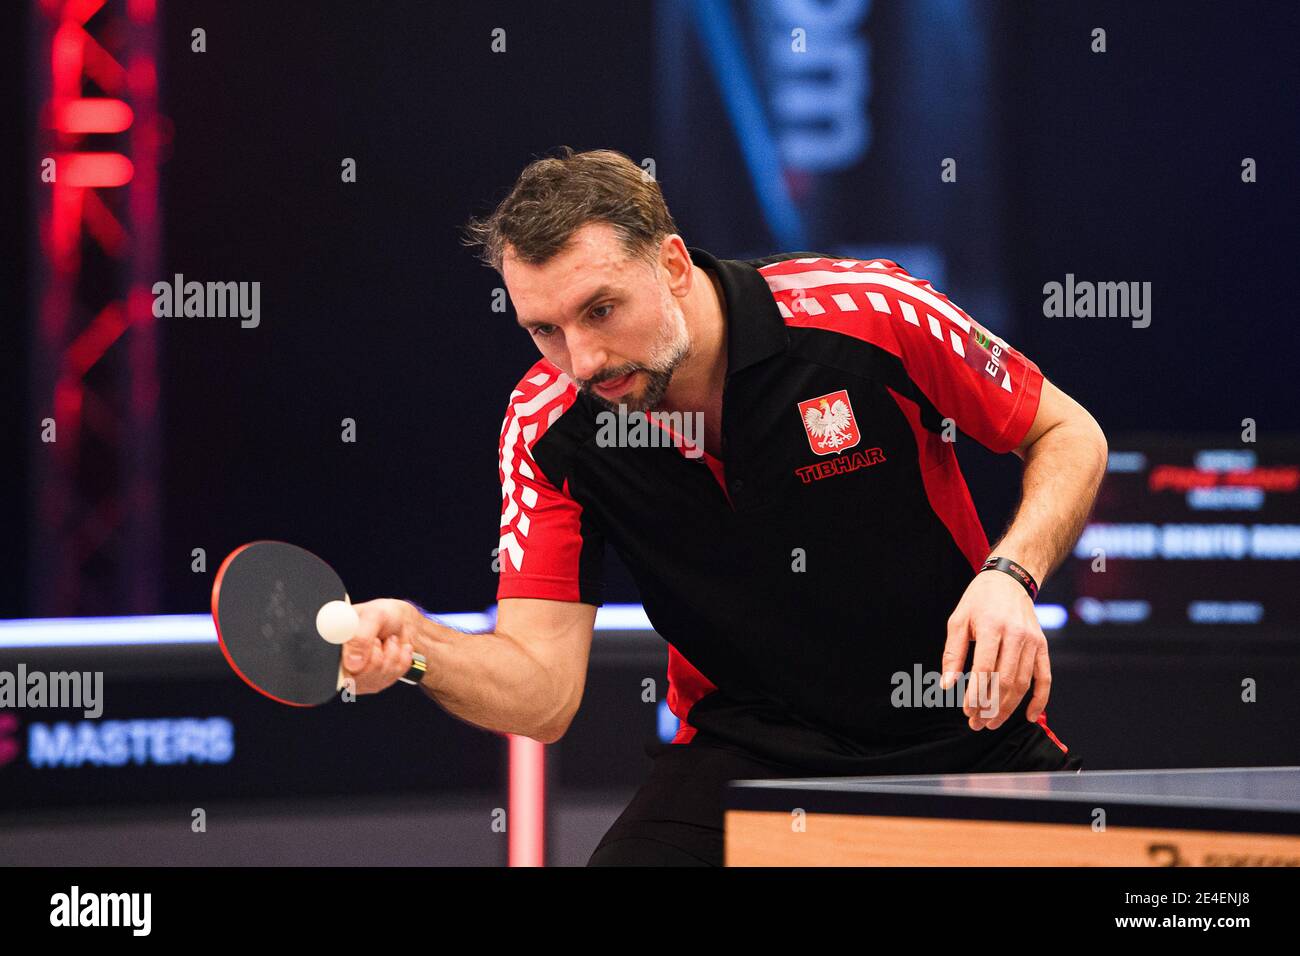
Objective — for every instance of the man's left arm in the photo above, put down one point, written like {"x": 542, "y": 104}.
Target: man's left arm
{"x": 1065, "y": 458}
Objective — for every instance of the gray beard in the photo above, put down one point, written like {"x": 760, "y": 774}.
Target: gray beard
{"x": 656, "y": 387}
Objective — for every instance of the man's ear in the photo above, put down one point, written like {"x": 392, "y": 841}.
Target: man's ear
{"x": 676, "y": 261}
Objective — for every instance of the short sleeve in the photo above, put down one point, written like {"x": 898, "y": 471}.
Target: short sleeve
{"x": 549, "y": 547}
{"x": 989, "y": 389}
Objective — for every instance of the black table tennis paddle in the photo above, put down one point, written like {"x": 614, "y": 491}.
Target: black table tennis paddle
{"x": 272, "y": 603}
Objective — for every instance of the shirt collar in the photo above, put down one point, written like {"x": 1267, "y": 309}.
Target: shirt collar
{"x": 755, "y": 328}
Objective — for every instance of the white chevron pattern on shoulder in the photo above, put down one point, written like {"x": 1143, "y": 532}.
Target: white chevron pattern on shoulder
{"x": 814, "y": 279}
{"x": 810, "y": 295}
{"x": 519, "y": 431}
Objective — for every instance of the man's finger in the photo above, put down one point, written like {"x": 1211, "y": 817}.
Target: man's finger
{"x": 357, "y": 651}
{"x": 1042, "y": 686}
{"x": 1015, "y": 645}
{"x": 1028, "y": 661}
{"x": 392, "y": 659}
{"x": 369, "y": 620}
{"x": 954, "y": 650}
{"x": 376, "y": 620}
{"x": 988, "y": 641}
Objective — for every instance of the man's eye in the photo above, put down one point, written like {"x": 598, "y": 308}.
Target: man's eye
{"x": 597, "y": 309}
{"x": 543, "y": 331}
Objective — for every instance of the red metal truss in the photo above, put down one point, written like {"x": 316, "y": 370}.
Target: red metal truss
{"x": 95, "y": 534}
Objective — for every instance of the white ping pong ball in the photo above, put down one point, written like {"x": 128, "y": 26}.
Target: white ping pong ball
{"x": 337, "y": 621}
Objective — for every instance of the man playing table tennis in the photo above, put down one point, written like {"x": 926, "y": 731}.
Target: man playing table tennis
{"x": 807, "y": 552}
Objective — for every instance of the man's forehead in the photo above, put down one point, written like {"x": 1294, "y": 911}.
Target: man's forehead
{"x": 564, "y": 282}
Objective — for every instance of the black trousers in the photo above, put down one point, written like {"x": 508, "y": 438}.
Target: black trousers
{"x": 676, "y": 817}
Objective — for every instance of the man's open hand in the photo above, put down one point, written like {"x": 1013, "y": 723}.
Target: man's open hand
{"x": 1010, "y": 650}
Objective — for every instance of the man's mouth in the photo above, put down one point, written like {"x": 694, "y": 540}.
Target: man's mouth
{"x": 614, "y": 387}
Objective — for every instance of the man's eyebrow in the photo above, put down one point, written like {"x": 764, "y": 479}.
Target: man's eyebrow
{"x": 587, "y": 303}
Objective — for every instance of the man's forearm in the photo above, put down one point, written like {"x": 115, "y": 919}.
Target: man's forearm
{"x": 487, "y": 680}
{"x": 1063, "y": 471}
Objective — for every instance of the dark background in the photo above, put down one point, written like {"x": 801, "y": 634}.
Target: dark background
{"x": 1121, "y": 166}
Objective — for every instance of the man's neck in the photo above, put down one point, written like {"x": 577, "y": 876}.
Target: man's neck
{"x": 697, "y": 383}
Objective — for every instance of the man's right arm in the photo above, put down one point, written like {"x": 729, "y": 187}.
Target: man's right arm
{"x": 525, "y": 677}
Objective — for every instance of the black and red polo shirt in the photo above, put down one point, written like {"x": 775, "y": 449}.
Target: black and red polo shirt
{"x": 822, "y": 556}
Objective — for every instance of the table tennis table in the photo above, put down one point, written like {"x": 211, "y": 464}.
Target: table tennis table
{"x": 1196, "y": 817}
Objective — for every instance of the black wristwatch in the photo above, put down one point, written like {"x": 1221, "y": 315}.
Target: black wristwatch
{"x": 418, "y": 666}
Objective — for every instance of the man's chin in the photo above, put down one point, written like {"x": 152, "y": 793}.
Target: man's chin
{"x": 645, "y": 399}
{"x": 631, "y": 401}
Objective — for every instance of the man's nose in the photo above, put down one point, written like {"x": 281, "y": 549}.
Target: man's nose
{"x": 588, "y": 356}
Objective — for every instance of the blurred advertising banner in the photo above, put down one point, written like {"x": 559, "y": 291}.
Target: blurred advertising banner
{"x": 851, "y": 127}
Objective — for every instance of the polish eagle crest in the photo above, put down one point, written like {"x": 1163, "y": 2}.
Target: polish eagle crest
{"x": 829, "y": 422}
